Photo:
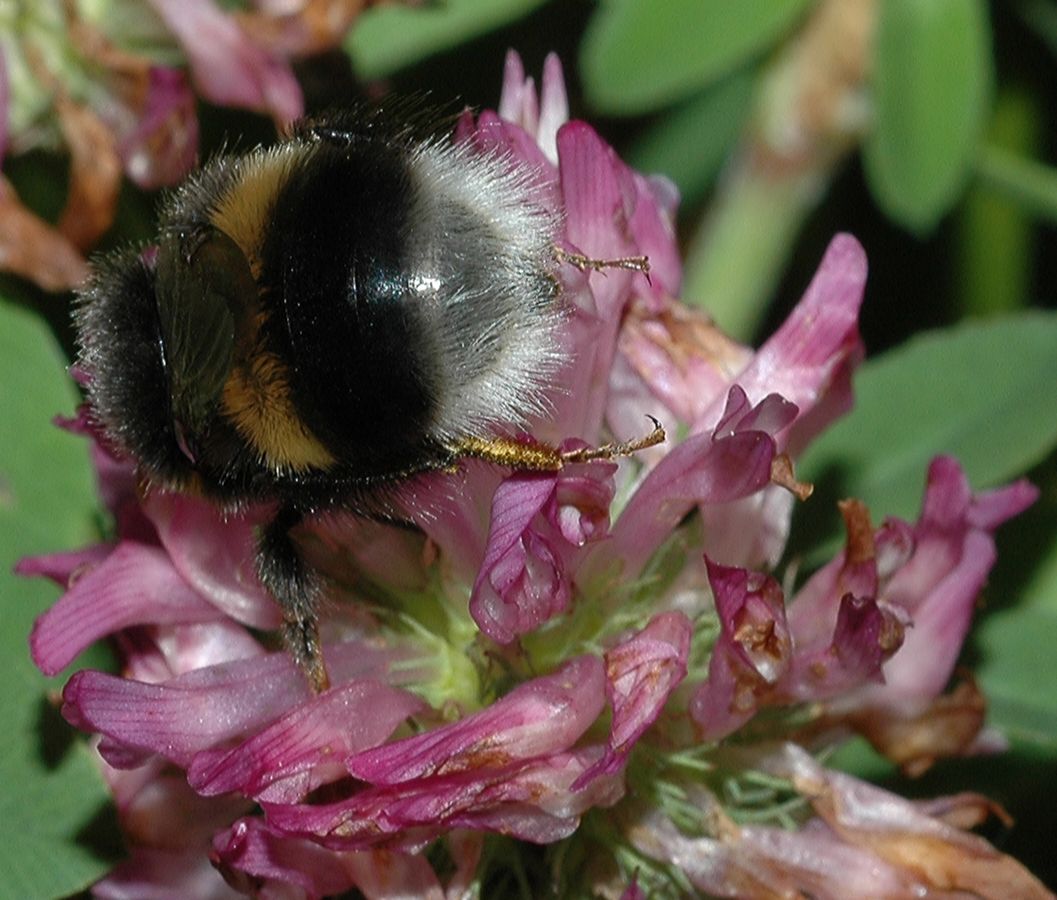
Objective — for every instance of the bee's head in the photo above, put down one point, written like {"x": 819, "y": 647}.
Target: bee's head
{"x": 121, "y": 352}
{"x": 156, "y": 334}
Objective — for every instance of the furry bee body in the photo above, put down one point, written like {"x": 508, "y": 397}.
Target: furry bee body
{"x": 320, "y": 319}
{"x": 324, "y": 316}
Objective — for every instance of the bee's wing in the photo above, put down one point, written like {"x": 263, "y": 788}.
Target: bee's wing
{"x": 204, "y": 289}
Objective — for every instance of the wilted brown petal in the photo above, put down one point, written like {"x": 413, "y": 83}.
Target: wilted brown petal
{"x": 35, "y": 250}
{"x": 149, "y": 108}
{"x": 783, "y": 474}
{"x": 907, "y": 836}
{"x": 95, "y": 174}
{"x": 947, "y": 727}
{"x": 312, "y": 26}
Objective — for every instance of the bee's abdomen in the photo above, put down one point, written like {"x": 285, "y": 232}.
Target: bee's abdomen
{"x": 341, "y": 309}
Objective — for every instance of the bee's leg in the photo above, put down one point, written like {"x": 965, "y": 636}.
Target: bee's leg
{"x": 537, "y": 457}
{"x": 298, "y": 591}
{"x": 617, "y": 449}
{"x": 518, "y": 455}
{"x": 587, "y": 264}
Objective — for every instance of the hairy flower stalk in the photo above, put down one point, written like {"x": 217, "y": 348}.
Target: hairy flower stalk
{"x": 594, "y": 666}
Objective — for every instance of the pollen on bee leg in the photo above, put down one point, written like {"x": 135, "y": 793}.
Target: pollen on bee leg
{"x": 588, "y": 264}
{"x": 513, "y": 454}
{"x": 537, "y": 457}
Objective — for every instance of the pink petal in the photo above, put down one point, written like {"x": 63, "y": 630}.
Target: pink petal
{"x": 809, "y": 359}
{"x": 385, "y": 874}
{"x": 641, "y": 674}
{"x": 541, "y": 716}
{"x": 517, "y": 100}
{"x": 63, "y": 568}
{"x": 349, "y": 547}
{"x": 452, "y": 511}
{"x": 752, "y": 653}
{"x": 579, "y": 507}
{"x": 162, "y": 810}
{"x": 589, "y": 341}
{"x": 134, "y": 585}
{"x": 515, "y": 503}
{"x": 554, "y": 106}
{"x": 205, "y": 707}
{"x": 251, "y": 854}
{"x": 163, "y": 652}
{"x": 531, "y": 801}
{"x": 465, "y": 848}
{"x": 303, "y": 749}
{"x": 939, "y": 585}
{"x": 525, "y": 588}
{"x": 680, "y": 355}
{"x": 228, "y": 68}
{"x": 759, "y": 661}
{"x": 706, "y": 468}
{"x": 538, "y": 522}
{"x": 160, "y": 874}
{"x": 215, "y": 554}
{"x": 864, "y": 637}
{"x": 653, "y": 231}
{"x": 162, "y": 146}
{"x": 600, "y": 197}
{"x": 115, "y": 477}
{"x": 750, "y": 532}
{"x": 904, "y": 835}
{"x": 493, "y": 135}
{"x": 521, "y": 582}
{"x": 860, "y": 571}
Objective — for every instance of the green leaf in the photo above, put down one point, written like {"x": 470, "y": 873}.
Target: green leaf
{"x": 995, "y": 239}
{"x": 638, "y": 56}
{"x": 1017, "y": 644}
{"x": 390, "y": 36}
{"x": 1031, "y": 185}
{"x": 984, "y": 392}
{"x": 931, "y": 86}
{"x": 690, "y": 143}
{"x": 47, "y": 502}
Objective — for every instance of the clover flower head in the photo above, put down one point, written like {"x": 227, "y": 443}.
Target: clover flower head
{"x": 594, "y": 663}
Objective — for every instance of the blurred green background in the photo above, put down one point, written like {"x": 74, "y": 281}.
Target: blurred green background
{"x": 929, "y": 135}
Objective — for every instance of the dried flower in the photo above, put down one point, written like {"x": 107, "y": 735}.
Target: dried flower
{"x": 576, "y": 659}
{"x": 111, "y": 83}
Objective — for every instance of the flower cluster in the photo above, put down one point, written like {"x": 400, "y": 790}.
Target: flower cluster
{"x": 114, "y": 85}
{"x": 591, "y": 661}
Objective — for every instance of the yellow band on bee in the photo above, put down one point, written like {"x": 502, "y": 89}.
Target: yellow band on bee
{"x": 257, "y": 401}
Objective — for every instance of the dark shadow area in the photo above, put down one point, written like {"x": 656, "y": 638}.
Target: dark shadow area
{"x": 817, "y": 524}
{"x": 55, "y": 736}
{"x": 101, "y": 835}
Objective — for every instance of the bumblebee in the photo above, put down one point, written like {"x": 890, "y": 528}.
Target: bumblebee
{"x": 321, "y": 319}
